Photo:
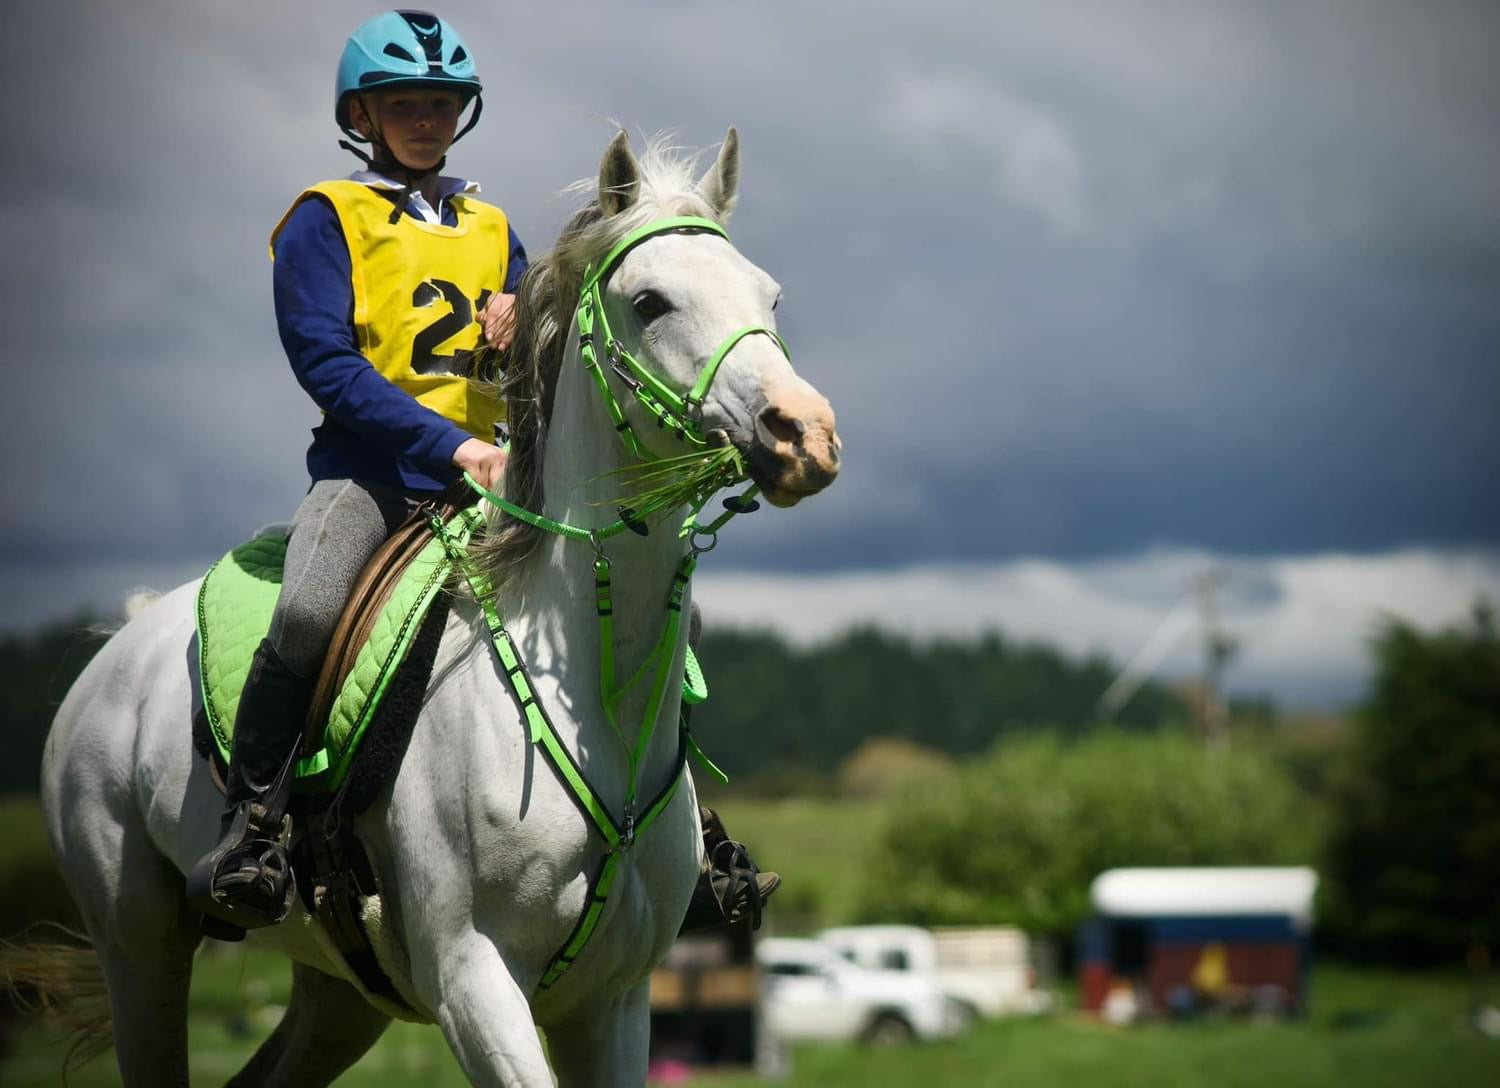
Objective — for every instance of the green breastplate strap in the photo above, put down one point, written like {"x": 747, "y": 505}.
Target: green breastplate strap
{"x": 618, "y": 835}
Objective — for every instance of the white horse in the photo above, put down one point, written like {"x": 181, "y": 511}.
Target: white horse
{"x": 485, "y": 856}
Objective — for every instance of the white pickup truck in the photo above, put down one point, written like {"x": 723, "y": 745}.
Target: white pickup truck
{"x": 986, "y": 969}
{"x": 809, "y": 992}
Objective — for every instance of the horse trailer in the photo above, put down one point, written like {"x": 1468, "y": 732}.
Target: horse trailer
{"x": 1178, "y": 942}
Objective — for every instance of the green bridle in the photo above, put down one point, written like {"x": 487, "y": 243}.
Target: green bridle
{"x": 683, "y": 415}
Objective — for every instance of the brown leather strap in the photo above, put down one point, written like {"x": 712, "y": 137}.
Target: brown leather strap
{"x": 371, "y": 591}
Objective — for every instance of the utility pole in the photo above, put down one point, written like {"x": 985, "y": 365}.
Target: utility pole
{"x": 1218, "y": 647}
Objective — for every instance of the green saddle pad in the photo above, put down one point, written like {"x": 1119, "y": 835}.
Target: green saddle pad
{"x": 235, "y": 604}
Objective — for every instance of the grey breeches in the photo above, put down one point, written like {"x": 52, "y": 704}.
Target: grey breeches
{"x": 337, "y": 528}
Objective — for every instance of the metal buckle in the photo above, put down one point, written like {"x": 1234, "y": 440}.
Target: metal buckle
{"x": 618, "y": 366}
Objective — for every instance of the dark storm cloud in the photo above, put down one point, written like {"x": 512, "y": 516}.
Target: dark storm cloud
{"x": 1077, "y": 282}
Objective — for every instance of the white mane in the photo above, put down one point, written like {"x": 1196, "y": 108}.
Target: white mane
{"x": 545, "y": 303}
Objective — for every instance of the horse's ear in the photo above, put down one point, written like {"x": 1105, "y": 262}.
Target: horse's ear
{"x": 720, "y": 186}
{"x": 619, "y": 176}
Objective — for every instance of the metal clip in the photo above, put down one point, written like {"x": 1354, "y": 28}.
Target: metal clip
{"x": 631, "y": 381}
{"x": 700, "y": 549}
{"x": 627, "y": 833}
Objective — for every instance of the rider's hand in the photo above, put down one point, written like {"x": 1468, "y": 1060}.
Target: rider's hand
{"x": 499, "y": 320}
{"x": 481, "y": 460}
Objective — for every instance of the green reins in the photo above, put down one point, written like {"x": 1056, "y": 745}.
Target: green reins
{"x": 682, "y": 415}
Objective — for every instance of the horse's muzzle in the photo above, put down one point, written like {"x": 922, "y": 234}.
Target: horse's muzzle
{"x": 793, "y": 450}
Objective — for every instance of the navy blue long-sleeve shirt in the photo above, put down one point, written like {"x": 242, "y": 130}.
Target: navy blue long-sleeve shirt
{"x": 371, "y": 430}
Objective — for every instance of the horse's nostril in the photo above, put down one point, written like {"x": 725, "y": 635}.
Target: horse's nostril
{"x": 782, "y": 427}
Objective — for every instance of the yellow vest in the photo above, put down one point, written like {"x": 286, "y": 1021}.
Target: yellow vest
{"x": 417, "y": 289}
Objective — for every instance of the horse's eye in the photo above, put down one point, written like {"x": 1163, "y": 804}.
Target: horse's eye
{"x": 776, "y": 303}
{"x": 649, "y": 306}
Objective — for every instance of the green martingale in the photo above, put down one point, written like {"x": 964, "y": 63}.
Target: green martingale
{"x": 234, "y": 612}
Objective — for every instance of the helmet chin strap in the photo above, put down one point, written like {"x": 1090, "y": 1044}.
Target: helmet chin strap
{"x": 384, "y": 160}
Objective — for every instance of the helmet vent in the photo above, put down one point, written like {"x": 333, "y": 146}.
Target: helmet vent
{"x": 394, "y": 50}
{"x": 458, "y": 55}
{"x": 429, "y": 31}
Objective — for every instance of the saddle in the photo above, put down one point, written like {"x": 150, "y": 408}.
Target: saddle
{"x": 371, "y": 593}
{"x": 397, "y": 595}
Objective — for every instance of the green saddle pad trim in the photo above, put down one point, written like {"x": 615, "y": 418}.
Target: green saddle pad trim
{"x": 235, "y": 604}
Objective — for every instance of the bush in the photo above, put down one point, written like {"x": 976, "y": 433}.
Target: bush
{"x": 31, "y": 886}
{"x": 883, "y": 766}
{"x": 1414, "y": 855}
{"x": 1018, "y": 837}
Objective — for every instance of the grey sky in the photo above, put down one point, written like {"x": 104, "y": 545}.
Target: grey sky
{"x": 1081, "y": 280}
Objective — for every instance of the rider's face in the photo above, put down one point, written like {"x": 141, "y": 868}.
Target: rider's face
{"x": 416, "y": 123}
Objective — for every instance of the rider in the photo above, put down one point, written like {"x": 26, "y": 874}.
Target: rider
{"x": 363, "y": 269}
{"x": 373, "y": 274}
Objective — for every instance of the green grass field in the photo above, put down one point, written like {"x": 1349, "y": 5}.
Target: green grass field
{"x": 1367, "y": 1029}
{"x": 1373, "y": 1030}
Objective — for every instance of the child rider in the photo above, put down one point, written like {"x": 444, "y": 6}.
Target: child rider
{"x": 381, "y": 283}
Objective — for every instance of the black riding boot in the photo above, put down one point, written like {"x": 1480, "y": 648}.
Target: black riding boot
{"x": 246, "y": 880}
{"x": 731, "y": 887}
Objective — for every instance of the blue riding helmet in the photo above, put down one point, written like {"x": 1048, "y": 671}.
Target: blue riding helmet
{"x": 404, "y": 49}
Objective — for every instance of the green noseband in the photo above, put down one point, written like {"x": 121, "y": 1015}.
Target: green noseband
{"x": 680, "y": 413}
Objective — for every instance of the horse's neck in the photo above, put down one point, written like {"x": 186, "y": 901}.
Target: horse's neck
{"x": 582, "y": 447}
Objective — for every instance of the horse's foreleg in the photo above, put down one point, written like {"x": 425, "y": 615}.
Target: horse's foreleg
{"x": 326, "y": 1028}
{"x": 604, "y": 1046}
{"x": 485, "y": 1016}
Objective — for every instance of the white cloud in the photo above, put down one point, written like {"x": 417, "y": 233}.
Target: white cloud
{"x": 1035, "y": 161}
{"x": 1302, "y": 622}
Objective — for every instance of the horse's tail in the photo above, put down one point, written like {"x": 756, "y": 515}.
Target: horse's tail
{"x": 60, "y": 977}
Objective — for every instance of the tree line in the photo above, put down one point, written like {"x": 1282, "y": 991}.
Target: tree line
{"x": 776, "y": 714}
